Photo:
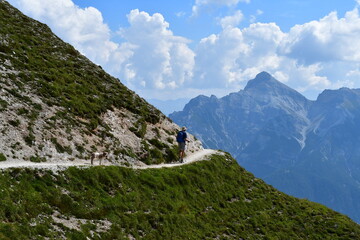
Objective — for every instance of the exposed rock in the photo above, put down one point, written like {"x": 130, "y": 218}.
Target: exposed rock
{"x": 309, "y": 149}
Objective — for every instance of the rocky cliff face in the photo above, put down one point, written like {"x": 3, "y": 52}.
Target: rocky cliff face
{"x": 56, "y": 105}
{"x": 306, "y": 148}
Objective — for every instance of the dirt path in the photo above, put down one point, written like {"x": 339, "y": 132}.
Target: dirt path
{"x": 197, "y": 156}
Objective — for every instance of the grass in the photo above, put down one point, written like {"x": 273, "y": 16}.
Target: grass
{"x": 2, "y": 157}
{"x": 207, "y": 200}
{"x": 60, "y": 74}
{"x": 44, "y": 66}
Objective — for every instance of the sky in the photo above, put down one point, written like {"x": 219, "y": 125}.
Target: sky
{"x": 168, "y": 50}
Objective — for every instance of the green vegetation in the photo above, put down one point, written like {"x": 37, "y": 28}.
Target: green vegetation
{"x": 37, "y": 159}
{"x": 29, "y": 139}
{"x": 139, "y": 128}
{"x": 3, "y": 105}
{"x": 207, "y": 200}
{"x": 158, "y": 152}
{"x": 42, "y": 65}
{"x": 60, "y": 148}
{"x": 2, "y": 157}
{"x": 59, "y": 73}
{"x": 14, "y": 123}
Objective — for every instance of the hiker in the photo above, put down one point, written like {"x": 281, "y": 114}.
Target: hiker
{"x": 181, "y": 138}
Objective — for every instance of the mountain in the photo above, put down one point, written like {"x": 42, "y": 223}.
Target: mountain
{"x": 57, "y": 106}
{"x": 309, "y": 149}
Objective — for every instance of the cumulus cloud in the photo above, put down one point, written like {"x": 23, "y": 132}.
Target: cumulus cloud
{"x": 158, "y": 59}
{"x": 310, "y": 57}
{"x": 330, "y": 39}
{"x": 203, "y": 3}
{"x": 236, "y": 55}
{"x": 231, "y": 21}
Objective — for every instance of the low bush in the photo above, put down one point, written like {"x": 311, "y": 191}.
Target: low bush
{"x": 37, "y": 159}
{"x": 2, "y": 157}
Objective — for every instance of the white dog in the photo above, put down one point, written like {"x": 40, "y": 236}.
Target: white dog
{"x": 98, "y": 155}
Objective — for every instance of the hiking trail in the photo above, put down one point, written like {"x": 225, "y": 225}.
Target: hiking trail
{"x": 190, "y": 158}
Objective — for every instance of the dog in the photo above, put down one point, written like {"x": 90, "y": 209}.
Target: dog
{"x": 99, "y": 156}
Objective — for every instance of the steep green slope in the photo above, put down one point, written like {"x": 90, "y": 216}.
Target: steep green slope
{"x": 59, "y": 73}
{"x": 56, "y": 105}
{"x": 214, "y": 199}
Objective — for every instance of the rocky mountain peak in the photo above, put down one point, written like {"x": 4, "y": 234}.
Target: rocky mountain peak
{"x": 262, "y": 80}
{"x": 268, "y": 87}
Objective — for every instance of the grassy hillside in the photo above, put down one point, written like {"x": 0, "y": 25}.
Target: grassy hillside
{"x": 56, "y": 105}
{"x": 59, "y": 73}
{"x": 214, "y": 199}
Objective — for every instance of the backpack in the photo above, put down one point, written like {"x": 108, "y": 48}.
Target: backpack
{"x": 180, "y": 136}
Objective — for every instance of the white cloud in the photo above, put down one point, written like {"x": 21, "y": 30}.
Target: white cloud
{"x": 83, "y": 28}
{"x": 330, "y": 39}
{"x": 235, "y": 56}
{"x": 216, "y": 57}
{"x": 180, "y": 14}
{"x": 311, "y": 57}
{"x": 203, "y": 3}
{"x": 152, "y": 60}
{"x": 158, "y": 59}
{"x": 232, "y": 21}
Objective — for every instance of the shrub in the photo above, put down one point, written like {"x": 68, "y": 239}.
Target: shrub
{"x": 3, "y": 105}
{"x": 156, "y": 155}
{"x": 14, "y": 123}
{"x": 60, "y": 148}
{"x": 30, "y": 139}
{"x": 2, "y": 157}
{"x": 22, "y": 111}
{"x": 37, "y": 159}
{"x": 157, "y": 143}
{"x": 80, "y": 148}
{"x": 139, "y": 128}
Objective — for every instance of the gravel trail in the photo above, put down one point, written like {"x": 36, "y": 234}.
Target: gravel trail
{"x": 197, "y": 156}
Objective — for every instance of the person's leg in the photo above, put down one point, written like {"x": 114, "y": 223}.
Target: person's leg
{"x": 182, "y": 151}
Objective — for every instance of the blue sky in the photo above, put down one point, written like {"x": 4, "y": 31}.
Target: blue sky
{"x": 285, "y": 13}
{"x": 168, "y": 50}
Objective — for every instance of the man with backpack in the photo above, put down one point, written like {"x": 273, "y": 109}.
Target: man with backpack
{"x": 181, "y": 138}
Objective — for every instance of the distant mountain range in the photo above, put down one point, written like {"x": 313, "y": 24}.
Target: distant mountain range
{"x": 309, "y": 149}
